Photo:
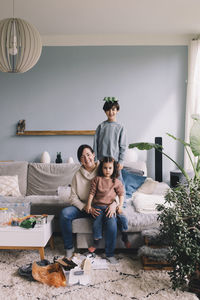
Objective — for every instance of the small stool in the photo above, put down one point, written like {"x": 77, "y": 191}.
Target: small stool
{"x": 154, "y": 253}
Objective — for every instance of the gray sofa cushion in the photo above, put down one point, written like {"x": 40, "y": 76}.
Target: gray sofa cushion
{"x": 44, "y": 179}
{"x": 84, "y": 240}
{"x": 84, "y": 225}
{"x": 16, "y": 168}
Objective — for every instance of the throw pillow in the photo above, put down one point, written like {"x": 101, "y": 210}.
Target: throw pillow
{"x": 9, "y": 186}
{"x": 138, "y": 165}
{"x": 64, "y": 193}
{"x": 161, "y": 188}
{"x": 134, "y": 170}
{"x": 132, "y": 182}
{"x": 148, "y": 186}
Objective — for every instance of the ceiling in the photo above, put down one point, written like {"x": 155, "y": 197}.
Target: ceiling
{"x": 109, "y": 21}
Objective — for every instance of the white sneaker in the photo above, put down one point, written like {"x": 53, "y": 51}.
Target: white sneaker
{"x": 112, "y": 260}
{"x": 69, "y": 253}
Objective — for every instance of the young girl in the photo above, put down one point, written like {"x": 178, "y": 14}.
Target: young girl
{"x": 103, "y": 191}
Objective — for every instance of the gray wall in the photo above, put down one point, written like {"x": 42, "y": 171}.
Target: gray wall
{"x": 64, "y": 91}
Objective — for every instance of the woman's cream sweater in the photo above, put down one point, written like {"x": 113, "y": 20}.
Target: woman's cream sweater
{"x": 81, "y": 186}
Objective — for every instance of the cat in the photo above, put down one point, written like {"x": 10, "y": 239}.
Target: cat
{"x": 51, "y": 274}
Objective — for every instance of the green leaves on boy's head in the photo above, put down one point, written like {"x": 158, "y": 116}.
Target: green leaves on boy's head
{"x": 110, "y": 102}
{"x": 108, "y": 99}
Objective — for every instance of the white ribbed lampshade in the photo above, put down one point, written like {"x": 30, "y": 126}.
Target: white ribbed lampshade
{"x": 20, "y": 45}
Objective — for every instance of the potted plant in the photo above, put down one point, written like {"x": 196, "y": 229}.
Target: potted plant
{"x": 180, "y": 226}
{"x": 180, "y": 219}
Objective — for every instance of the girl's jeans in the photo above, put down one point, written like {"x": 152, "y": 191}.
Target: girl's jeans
{"x": 122, "y": 222}
{"x": 102, "y": 221}
{"x": 121, "y": 219}
{"x": 98, "y": 222}
{"x": 68, "y": 214}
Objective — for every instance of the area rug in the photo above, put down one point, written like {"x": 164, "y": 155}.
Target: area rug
{"x": 123, "y": 281}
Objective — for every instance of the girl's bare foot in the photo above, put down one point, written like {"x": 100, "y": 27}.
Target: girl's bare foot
{"x": 91, "y": 249}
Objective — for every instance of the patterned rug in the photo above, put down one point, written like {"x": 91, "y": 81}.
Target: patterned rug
{"x": 123, "y": 281}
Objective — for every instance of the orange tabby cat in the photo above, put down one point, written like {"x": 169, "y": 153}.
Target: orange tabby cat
{"x": 51, "y": 274}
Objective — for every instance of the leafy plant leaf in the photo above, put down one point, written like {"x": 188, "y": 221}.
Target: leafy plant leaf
{"x": 177, "y": 139}
{"x": 146, "y": 146}
{"x": 180, "y": 226}
{"x": 195, "y": 138}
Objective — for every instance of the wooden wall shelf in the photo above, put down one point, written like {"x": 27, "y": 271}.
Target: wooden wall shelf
{"x": 56, "y": 132}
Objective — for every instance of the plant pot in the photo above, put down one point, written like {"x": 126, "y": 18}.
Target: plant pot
{"x": 194, "y": 283}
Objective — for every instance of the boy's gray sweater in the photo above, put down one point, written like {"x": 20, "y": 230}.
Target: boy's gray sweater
{"x": 110, "y": 140}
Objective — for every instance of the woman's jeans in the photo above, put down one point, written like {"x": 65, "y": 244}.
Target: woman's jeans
{"x": 70, "y": 213}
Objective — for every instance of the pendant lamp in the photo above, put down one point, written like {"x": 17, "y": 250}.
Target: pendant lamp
{"x": 20, "y": 45}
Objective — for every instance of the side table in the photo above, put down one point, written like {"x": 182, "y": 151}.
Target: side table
{"x": 15, "y": 237}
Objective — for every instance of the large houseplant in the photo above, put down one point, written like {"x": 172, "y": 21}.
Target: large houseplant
{"x": 180, "y": 220}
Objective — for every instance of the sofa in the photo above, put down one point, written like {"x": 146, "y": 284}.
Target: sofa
{"x": 37, "y": 184}
{"x": 40, "y": 183}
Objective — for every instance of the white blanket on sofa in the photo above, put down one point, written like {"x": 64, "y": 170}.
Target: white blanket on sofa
{"x": 141, "y": 208}
{"x": 137, "y": 220}
{"x": 147, "y": 203}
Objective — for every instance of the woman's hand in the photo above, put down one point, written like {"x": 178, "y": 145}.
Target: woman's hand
{"x": 119, "y": 166}
{"x": 87, "y": 208}
{"x": 91, "y": 210}
{"x": 111, "y": 210}
{"x": 94, "y": 212}
{"x": 119, "y": 210}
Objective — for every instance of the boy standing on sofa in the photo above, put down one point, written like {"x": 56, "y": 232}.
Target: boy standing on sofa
{"x": 110, "y": 141}
{"x": 110, "y": 136}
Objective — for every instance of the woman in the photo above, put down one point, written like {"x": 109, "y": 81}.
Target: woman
{"x": 79, "y": 196}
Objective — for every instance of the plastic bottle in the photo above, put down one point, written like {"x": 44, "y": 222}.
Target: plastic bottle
{"x": 27, "y": 208}
{"x": 16, "y": 210}
{"x": 3, "y": 216}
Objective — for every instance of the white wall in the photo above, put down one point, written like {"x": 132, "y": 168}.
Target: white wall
{"x": 64, "y": 91}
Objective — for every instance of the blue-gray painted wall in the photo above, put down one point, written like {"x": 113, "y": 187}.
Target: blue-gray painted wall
{"x": 64, "y": 91}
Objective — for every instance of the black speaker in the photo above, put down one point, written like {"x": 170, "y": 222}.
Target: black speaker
{"x": 158, "y": 161}
{"x": 175, "y": 178}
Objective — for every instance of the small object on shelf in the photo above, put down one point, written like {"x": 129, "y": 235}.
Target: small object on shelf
{"x": 70, "y": 160}
{"x": 58, "y": 158}
{"x": 45, "y": 157}
{"x": 21, "y": 126}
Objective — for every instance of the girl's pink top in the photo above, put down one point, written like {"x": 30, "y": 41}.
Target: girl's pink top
{"x": 105, "y": 190}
